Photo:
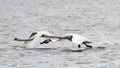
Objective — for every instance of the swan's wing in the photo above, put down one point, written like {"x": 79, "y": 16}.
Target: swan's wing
{"x": 34, "y": 42}
{"x": 40, "y": 33}
{"x": 37, "y": 39}
{"x": 80, "y": 39}
{"x": 77, "y": 39}
{"x": 33, "y": 34}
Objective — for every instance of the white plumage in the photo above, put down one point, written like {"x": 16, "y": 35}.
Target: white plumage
{"x": 36, "y": 40}
{"x": 77, "y": 39}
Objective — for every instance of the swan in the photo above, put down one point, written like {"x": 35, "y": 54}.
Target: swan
{"x": 34, "y": 39}
{"x": 75, "y": 38}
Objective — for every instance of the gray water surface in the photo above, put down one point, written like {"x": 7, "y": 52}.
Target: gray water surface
{"x": 97, "y": 20}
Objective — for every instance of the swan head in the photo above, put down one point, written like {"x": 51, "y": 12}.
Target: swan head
{"x": 43, "y": 35}
{"x": 69, "y": 37}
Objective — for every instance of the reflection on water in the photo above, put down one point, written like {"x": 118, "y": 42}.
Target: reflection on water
{"x": 85, "y": 49}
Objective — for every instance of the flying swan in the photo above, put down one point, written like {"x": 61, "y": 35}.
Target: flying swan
{"x": 34, "y": 39}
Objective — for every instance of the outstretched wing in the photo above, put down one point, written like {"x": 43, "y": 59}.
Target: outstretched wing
{"x": 33, "y": 34}
{"x": 77, "y": 39}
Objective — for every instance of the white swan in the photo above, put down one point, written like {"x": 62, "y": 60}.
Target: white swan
{"x": 35, "y": 37}
{"x": 77, "y": 39}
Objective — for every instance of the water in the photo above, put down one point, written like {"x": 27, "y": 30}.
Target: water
{"x": 96, "y": 19}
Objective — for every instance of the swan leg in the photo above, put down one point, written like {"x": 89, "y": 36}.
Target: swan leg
{"x": 87, "y": 45}
{"x": 79, "y": 46}
{"x": 46, "y": 41}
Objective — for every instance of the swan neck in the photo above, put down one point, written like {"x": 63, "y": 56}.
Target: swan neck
{"x": 20, "y": 39}
{"x": 53, "y": 36}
